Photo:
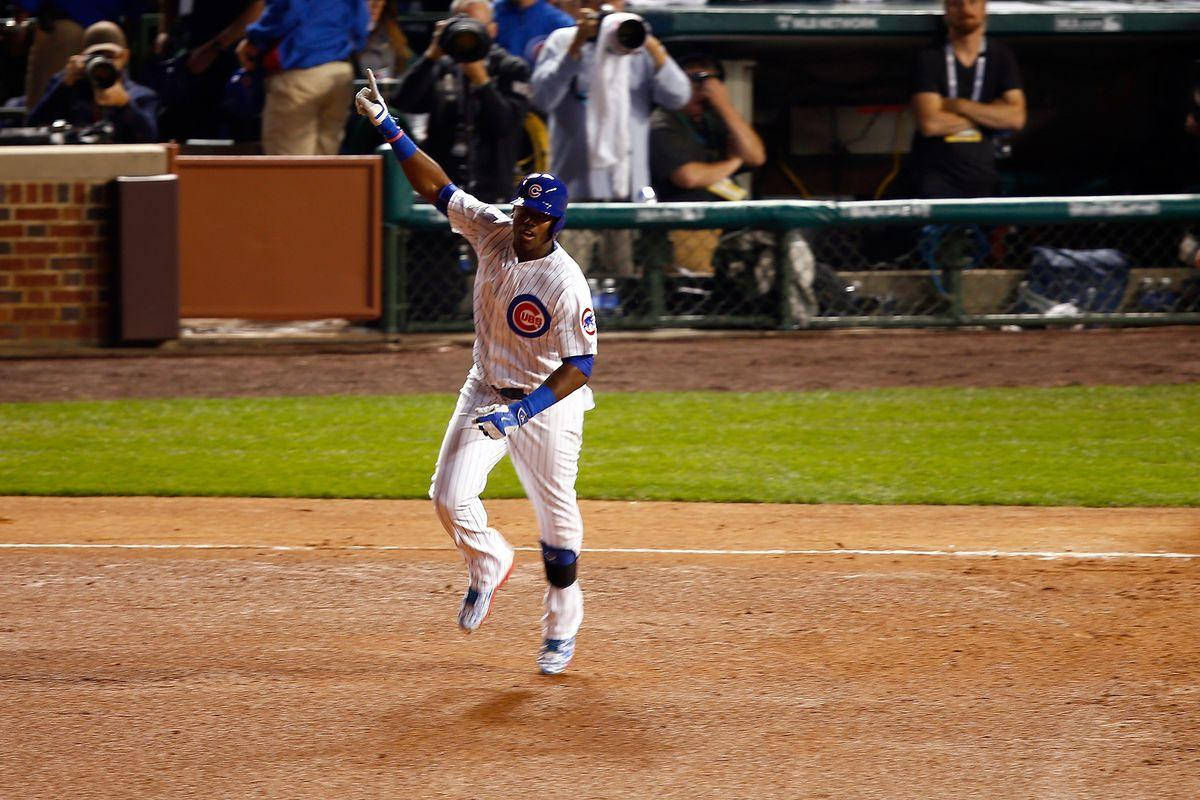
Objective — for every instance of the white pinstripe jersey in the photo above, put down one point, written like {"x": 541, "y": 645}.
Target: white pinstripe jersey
{"x": 529, "y": 315}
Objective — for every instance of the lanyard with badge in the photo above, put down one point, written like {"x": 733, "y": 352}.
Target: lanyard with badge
{"x": 970, "y": 135}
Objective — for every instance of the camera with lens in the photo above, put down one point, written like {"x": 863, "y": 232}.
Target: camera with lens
{"x": 101, "y": 71}
{"x": 630, "y": 34}
{"x": 465, "y": 39}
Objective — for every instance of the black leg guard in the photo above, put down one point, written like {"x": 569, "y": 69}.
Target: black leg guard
{"x": 561, "y": 565}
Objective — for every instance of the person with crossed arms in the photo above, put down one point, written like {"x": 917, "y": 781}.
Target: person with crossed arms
{"x": 965, "y": 91}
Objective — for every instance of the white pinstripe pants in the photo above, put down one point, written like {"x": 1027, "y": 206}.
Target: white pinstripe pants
{"x": 545, "y": 453}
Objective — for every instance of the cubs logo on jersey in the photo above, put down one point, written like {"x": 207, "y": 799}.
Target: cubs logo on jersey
{"x": 587, "y": 321}
{"x": 528, "y": 317}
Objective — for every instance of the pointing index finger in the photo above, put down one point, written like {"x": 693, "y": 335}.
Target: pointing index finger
{"x": 371, "y": 80}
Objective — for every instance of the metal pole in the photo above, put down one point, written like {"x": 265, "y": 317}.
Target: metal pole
{"x": 783, "y": 281}
{"x": 389, "y": 279}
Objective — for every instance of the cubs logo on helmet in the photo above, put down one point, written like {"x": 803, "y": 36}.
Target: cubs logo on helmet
{"x": 527, "y": 316}
{"x": 542, "y": 192}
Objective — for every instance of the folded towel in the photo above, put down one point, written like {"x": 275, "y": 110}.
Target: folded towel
{"x": 608, "y": 105}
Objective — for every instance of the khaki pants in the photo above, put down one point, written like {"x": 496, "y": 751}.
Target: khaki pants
{"x": 693, "y": 250}
{"x": 613, "y": 251}
{"x": 47, "y": 55}
{"x": 306, "y": 110}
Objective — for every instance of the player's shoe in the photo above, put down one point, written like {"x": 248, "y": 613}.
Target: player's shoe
{"x": 477, "y": 602}
{"x": 555, "y": 655}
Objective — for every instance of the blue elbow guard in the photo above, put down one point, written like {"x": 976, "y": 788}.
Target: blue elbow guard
{"x": 582, "y": 363}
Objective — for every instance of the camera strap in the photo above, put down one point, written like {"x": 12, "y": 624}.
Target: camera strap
{"x": 952, "y": 72}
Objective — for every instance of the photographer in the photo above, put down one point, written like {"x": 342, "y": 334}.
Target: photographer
{"x": 94, "y": 88}
{"x": 476, "y": 94}
{"x": 599, "y": 98}
{"x": 695, "y": 154}
{"x": 59, "y": 34}
{"x": 598, "y": 82}
{"x": 699, "y": 148}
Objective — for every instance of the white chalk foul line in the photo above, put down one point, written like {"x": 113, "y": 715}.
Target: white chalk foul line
{"x": 840, "y": 551}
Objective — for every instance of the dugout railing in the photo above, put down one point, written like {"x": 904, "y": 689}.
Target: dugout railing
{"x": 786, "y": 264}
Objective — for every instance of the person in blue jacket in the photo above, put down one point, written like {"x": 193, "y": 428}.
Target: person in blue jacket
{"x": 525, "y": 24}
{"x": 305, "y": 46}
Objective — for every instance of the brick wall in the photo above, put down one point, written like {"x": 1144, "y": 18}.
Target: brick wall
{"x": 56, "y": 262}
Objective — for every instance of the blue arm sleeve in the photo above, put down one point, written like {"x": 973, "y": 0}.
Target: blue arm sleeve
{"x": 581, "y": 363}
{"x": 542, "y": 397}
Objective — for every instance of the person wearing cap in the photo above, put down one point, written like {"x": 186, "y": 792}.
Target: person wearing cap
{"x": 526, "y": 393}
{"x": 81, "y": 94}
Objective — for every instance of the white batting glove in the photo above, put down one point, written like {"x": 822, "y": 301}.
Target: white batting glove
{"x": 496, "y": 420}
{"x": 369, "y": 102}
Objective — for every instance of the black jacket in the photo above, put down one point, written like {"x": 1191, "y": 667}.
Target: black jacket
{"x": 498, "y": 111}
{"x": 134, "y": 123}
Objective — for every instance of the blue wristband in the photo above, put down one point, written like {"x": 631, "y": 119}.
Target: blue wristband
{"x": 401, "y": 144}
{"x": 538, "y": 401}
{"x": 443, "y": 199}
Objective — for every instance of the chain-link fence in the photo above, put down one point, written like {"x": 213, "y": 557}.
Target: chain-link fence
{"x": 784, "y": 264}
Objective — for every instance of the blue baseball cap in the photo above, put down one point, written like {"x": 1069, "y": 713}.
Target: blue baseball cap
{"x": 545, "y": 193}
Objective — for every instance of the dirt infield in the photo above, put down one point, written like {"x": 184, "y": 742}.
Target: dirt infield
{"x": 338, "y": 673}
{"x": 307, "y": 649}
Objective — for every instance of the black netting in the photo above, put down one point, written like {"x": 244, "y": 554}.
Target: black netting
{"x": 843, "y": 274}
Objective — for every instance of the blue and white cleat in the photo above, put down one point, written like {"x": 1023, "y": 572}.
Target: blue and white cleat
{"x": 555, "y": 655}
{"x": 477, "y": 602}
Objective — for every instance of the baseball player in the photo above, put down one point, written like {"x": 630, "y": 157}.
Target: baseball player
{"x": 526, "y": 393}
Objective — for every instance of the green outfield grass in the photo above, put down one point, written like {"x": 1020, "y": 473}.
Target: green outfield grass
{"x": 1098, "y": 446}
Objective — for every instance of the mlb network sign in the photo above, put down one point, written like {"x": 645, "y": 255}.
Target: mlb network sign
{"x": 789, "y": 22}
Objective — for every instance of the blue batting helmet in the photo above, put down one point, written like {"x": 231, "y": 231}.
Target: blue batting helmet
{"x": 543, "y": 192}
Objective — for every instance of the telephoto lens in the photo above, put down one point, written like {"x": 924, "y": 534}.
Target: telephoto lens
{"x": 631, "y": 34}
{"x": 101, "y": 71}
{"x": 465, "y": 39}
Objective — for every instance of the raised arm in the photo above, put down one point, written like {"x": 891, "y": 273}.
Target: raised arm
{"x": 744, "y": 142}
{"x": 559, "y": 61}
{"x": 426, "y": 175}
{"x": 672, "y": 88}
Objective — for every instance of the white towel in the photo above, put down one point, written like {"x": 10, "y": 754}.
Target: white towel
{"x": 608, "y": 106}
